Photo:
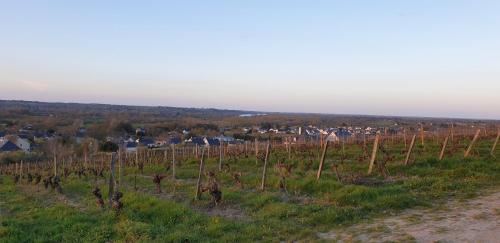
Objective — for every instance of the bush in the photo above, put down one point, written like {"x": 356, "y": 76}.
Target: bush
{"x": 15, "y": 157}
{"x": 108, "y": 147}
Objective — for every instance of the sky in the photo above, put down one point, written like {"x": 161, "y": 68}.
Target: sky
{"x": 407, "y": 58}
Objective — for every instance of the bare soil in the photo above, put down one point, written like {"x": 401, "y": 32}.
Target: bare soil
{"x": 476, "y": 220}
{"x": 227, "y": 212}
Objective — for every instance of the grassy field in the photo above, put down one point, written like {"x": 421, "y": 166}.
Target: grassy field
{"x": 30, "y": 213}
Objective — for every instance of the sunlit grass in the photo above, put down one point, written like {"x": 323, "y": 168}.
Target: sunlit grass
{"x": 308, "y": 207}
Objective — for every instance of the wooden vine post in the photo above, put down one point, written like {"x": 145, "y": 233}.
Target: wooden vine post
{"x": 123, "y": 164}
{"x": 289, "y": 148}
{"x": 408, "y": 154}
{"x": 200, "y": 173}
{"x": 165, "y": 156}
{"x": 256, "y": 151}
{"x": 492, "y": 152}
{"x": 452, "y": 137}
{"x": 112, "y": 178}
{"x": 469, "y": 149}
{"x": 264, "y": 171}
{"x": 422, "y": 136}
{"x": 85, "y": 152}
{"x": 374, "y": 153}
{"x": 404, "y": 138}
{"x": 322, "y": 161}
{"x": 364, "y": 147}
{"x": 343, "y": 148}
{"x": 443, "y": 149}
{"x": 173, "y": 161}
{"x": 120, "y": 167}
{"x": 55, "y": 163}
{"x": 246, "y": 148}
{"x": 136, "y": 167}
{"x": 220, "y": 154}
{"x": 137, "y": 157}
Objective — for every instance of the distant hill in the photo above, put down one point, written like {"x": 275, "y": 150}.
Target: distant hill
{"x": 35, "y": 108}
{"x": 36, "y": 112}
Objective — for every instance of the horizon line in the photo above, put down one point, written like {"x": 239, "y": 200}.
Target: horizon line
{"x": 256, "y": 111}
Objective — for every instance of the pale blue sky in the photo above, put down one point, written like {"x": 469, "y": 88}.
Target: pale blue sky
{"x": 417, "y": 58}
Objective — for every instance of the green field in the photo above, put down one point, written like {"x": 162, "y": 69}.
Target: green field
{"x": 31, "y": 213}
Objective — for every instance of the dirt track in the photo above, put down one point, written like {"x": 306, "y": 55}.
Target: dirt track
{"x": 476, "y": 220}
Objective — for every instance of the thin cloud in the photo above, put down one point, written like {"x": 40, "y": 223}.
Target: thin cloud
{"x": 36, "y": 86}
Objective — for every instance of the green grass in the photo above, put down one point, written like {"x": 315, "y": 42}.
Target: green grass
{"x": 310, "y": 206}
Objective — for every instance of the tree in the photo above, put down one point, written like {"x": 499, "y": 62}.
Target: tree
{"x": 124, "y": 127}
{"x": 108, "y": 146}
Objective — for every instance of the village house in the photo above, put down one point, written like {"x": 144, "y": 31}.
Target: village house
{"x": 332, "y": 137}
{"x": 262, "y": 131}
{"x": 130, "y": 146}
{"x": 196, "y": 141}
{"x": 246, "y": 130}
{"x": 147, "y": 142}
{"x": 225, "y": 139}
{"x": 26, "y": 129}
{"x": 173, "y": 141}
{"x": 140, "y": 132}
{"x": 274, "y": 130}
{"x": 23, "y": 143}
{"x": 343, "y": 133}
{"x": 8, "y": 146}
{"x": 81, "y": 133}
{"x": 211, "y": 141}
{"x": 15, "y": 143}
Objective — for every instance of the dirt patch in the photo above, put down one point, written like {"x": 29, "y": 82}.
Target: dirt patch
{"x": 3, "y": 212}
{"x": 226, "y": 212}
{"x": 287, "y": 198}
{"x": 476, "y": 220}
{"x": 50, "y": 196}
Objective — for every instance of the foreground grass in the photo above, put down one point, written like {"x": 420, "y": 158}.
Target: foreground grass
{"x": 31, "y": 214}
{"x": 41, "y": 218}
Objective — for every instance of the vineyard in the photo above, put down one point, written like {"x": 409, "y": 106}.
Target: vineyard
{"x": 262, "y": 190}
